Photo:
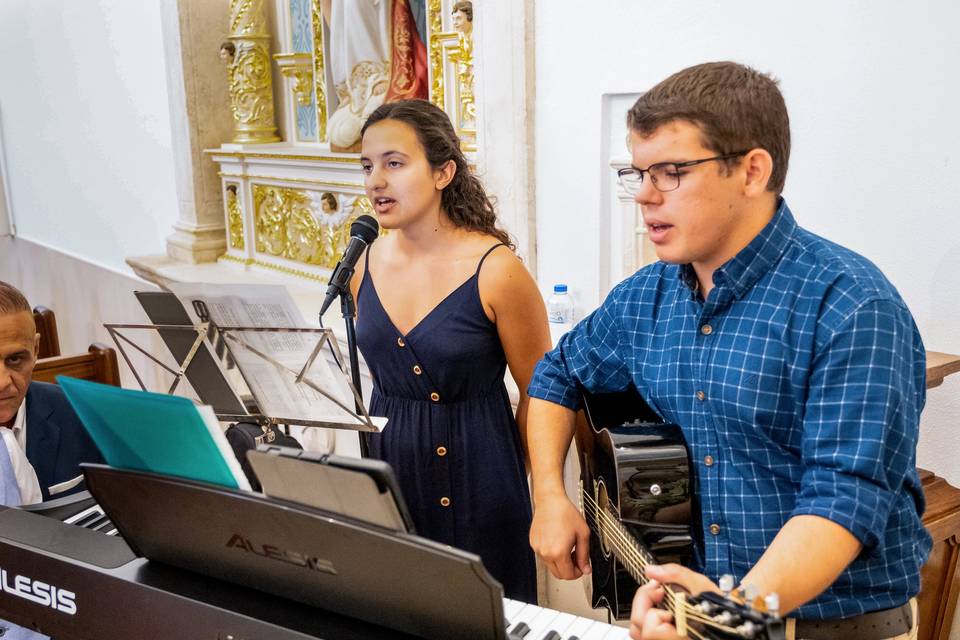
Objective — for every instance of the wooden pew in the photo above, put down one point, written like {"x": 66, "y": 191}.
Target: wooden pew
{"x": 940, "y": 577}
{"x": 46, "y": 323}
{"x": 99, "y": 364}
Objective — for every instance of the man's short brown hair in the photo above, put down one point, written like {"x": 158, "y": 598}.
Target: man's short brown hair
{"x": 11, "y": 300}
{"x": 736, "y": 108}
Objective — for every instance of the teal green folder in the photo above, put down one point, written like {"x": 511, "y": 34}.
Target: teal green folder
{"x": 154, "y": 432}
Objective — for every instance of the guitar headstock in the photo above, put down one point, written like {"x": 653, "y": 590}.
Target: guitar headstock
{"x": 716, "y": 615}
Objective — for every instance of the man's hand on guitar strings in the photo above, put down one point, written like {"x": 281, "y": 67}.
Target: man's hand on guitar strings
{"x": 647, "y": 621}
{"x": 561, "y": 537}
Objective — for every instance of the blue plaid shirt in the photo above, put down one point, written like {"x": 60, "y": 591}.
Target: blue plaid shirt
{"x": 802, "y": 375}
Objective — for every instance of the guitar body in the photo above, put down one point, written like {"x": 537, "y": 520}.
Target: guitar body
{"x": 636, "y": 467}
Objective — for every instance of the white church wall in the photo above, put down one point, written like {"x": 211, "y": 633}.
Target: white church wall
{"x": 872, "y": 104}
{"x": 86, "y": 127}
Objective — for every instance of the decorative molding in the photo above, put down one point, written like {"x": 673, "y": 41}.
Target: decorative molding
{"x": 297, "y": 67}
{"x": 319, "y": 182}
{"x": 353, "y": 159}
{"x": 234, "y": 216}
{"x": 319, "y": 74}
{"x": 288, "y": 223}
{"x": 456, "y": 49}
{"x": 435, "y": 51}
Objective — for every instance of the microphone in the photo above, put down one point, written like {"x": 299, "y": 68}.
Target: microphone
{"x": 363, "y": 232}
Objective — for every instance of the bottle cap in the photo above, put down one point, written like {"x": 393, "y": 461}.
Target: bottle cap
{"x": 559, "y": 288}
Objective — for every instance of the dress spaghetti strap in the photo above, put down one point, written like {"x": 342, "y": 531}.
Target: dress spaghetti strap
{"x": 489, "y": 251}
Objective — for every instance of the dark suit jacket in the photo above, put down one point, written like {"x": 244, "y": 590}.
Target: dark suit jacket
{"x": 56, "y": 441}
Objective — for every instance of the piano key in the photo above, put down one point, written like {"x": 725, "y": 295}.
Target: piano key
{"x": 103, "y": 526}
{"x": 559, "y": 626}
{"x": 601, "y": 631}
{"x": 616, "y": 633}
{"x": 519, "y": 630}
{"x": 578, "y": 627}
{"x": 511, "y": 608}
{"x": 522, "y": 611}
{"x": 541, "y": 623}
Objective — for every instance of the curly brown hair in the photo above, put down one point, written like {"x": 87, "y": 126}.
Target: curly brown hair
{"x": 463, "y": 200}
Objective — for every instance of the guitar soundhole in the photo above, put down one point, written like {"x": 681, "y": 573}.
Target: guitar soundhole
{"x": 603, "y": 502}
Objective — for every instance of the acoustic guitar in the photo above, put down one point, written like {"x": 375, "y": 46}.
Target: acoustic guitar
{"x": 636, "y": 489}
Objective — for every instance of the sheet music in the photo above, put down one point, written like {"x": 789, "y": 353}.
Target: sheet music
{"x": 274, "y": 387}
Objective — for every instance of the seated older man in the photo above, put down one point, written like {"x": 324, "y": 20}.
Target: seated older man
{"x": 44, "y": 440}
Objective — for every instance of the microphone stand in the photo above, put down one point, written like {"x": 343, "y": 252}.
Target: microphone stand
{"x": 349, "y": 311}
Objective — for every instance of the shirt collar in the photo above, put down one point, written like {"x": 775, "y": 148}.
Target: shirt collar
{"x": 749, "y": 265}
{"x": 19, "y": 426}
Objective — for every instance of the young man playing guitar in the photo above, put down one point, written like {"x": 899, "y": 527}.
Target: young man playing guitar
{"x": 792, "y": 365}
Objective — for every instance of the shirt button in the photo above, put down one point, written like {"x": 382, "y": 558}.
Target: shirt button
{"x": 715, "y": 529}
{"x": 445, "y": 501}
{"x": 701, "y": 395}
{"x": 435, "y": 396}
{"x": 441, "y": 451}
{"x": 401, "y": 343}
{"x": 706, "y": 329}
{"x": 417, "y": 370}
{"x": 708, "y": 460}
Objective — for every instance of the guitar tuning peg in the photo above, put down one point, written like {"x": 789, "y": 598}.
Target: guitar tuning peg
{"x": 726, "y": 584}
{"x": 750, "y": 593}
{"x": 772, "y": 602}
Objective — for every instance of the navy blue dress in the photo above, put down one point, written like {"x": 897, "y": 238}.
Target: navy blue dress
{"x": 451, "y": 437}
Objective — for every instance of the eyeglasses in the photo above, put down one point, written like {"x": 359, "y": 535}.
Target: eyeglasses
{"x": 665, "y": 176}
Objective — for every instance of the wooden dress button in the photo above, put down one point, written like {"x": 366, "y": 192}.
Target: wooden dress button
{"x": 435, "y": 396}
{"x": 441, "y": 451}
{"x": 417, "y": 370}
{"x": 401, "y": 343}
{"x": 445, "y": 501}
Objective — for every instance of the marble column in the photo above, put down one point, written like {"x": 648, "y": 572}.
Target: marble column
{"x": 200, "y": 119}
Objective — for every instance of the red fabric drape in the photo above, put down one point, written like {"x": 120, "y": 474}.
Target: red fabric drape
{"x": 408, "y": 66}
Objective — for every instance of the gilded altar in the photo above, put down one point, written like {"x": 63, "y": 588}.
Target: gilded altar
{"x": 303, "y": 75}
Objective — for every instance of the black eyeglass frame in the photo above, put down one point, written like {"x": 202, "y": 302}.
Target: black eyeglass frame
{"x": 677, "y": 165}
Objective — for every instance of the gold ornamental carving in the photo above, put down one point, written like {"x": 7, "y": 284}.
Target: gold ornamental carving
{"x": 249, "y": 73}
{"x": 456, "y": 49}
{"x": 303, "y": 225}
{"x": 234, "y": 218}
{"x": 299, "y": 68}
{"x": 435, "y": 18}
{"x": 319, "y": 78}
{"x": 462, "y": 58}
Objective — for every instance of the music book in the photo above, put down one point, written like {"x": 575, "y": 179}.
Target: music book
{"x": 155, "y": 432}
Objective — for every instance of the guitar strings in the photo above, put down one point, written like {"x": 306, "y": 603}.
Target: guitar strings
{"x": 628, "y": 549}
{"x": 630, "y": 552}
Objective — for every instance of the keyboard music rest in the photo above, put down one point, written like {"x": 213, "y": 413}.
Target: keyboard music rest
{"x": 120, "y": 596}
{"x": 319, "y": 558}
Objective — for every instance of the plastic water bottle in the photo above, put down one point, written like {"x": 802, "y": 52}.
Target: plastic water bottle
{"x": 559, "y": 312}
